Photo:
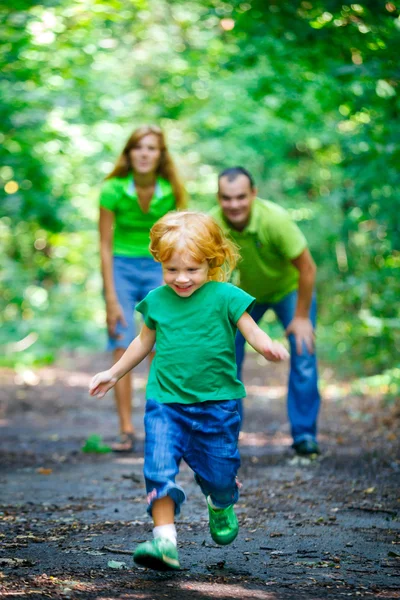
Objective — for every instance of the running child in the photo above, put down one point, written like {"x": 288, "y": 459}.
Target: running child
{"x": 192, "y": 392}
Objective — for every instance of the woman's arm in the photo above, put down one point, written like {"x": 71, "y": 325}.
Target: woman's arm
{"x": 106, "y": 230}
{"x": 260, "y": 341}
{"x": 141, "y": 346}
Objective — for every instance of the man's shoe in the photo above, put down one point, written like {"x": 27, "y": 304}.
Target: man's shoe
{"x": 306, "y": 447}
{"x": 159, "y": 554}
{"x": 224, "y": 525}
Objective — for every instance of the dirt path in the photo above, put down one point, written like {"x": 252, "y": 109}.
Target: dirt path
{"x": 327, "y": 529}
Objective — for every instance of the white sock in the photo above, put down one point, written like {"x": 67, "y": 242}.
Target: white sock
{"x": 165, "y": 531}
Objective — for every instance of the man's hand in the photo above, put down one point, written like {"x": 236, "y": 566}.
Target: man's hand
{"x": 304, "y": 333}
{"x": 101, "y": 383}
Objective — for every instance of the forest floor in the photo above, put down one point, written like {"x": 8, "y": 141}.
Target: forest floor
{"x": 308, "y": 529}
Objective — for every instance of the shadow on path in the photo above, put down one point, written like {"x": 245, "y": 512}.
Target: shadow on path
{"x": 322, "y": 529}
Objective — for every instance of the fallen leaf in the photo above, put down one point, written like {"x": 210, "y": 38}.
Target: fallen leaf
{"x": 133, "y": 477}
{"x": 16, "y": 562}
{"x": 369, "y": 490}
{"x": 115, "y": 564}
{"x": 43, "y": 471}
{"x": 219, "y": 565}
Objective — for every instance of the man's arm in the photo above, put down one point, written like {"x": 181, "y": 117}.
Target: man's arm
{"x": 301, "y": 326}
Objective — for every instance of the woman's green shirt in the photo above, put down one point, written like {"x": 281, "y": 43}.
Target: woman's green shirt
{"x": 132, "y": 225}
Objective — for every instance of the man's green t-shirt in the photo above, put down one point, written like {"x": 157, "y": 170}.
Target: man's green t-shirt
{"x": 267, "y": 245}
{"x": 195, "y": 337}
{"x": 131, "y": 224}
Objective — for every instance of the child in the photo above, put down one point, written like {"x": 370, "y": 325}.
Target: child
{"x": 192, "y": 392}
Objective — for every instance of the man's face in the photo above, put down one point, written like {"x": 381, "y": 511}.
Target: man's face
{"x": 236, "y": 198}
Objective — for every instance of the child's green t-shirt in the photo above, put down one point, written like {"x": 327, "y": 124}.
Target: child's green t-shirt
{"x": 195, "y": 337}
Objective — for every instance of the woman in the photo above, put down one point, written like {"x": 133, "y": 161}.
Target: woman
{"x": 142, "y": 187}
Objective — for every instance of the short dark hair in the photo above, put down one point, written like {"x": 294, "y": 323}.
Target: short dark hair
{"x": 233, "y": 172}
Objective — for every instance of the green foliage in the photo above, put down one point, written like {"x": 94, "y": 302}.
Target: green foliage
{"x": 304, "y": 94}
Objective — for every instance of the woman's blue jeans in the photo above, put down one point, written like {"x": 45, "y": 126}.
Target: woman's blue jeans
{"x": 134, "y": 278}
{"x": 303, "y": 395}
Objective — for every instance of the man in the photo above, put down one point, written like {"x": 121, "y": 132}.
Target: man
{"x": 278, "y": 270}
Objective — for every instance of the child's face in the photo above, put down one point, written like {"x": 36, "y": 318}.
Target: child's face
{"x": 183, "y": 274}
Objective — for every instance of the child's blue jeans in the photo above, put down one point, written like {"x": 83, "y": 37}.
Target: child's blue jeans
{"x": 205, "y": 435}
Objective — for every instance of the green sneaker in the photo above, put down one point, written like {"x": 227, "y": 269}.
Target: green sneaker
{"x": 159, "y": 554}
{"x": 224, "y": 525}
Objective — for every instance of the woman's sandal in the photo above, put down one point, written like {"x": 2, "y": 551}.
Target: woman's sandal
{"x": 126, "y": 443}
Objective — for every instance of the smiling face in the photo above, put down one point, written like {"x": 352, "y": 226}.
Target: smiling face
{"x": 236, "y": 198}
{"x": 145, "y": 156}
{"x": 183, "y": 274}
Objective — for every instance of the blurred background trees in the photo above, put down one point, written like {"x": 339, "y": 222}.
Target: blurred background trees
{"x": 304, "y": 94}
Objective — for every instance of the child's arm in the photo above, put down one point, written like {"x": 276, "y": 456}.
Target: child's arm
{"x": 134, "y": 354}
{"x": 259, "y": 340}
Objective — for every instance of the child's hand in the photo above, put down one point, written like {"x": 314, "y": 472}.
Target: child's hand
{"x": 101, "y": 383}
{"x": 274, "y": 351}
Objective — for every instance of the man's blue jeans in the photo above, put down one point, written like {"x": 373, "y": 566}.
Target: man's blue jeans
{"x": 303, "y": 394}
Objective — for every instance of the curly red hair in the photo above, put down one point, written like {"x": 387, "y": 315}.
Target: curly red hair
{"x": 198, "y": 235}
